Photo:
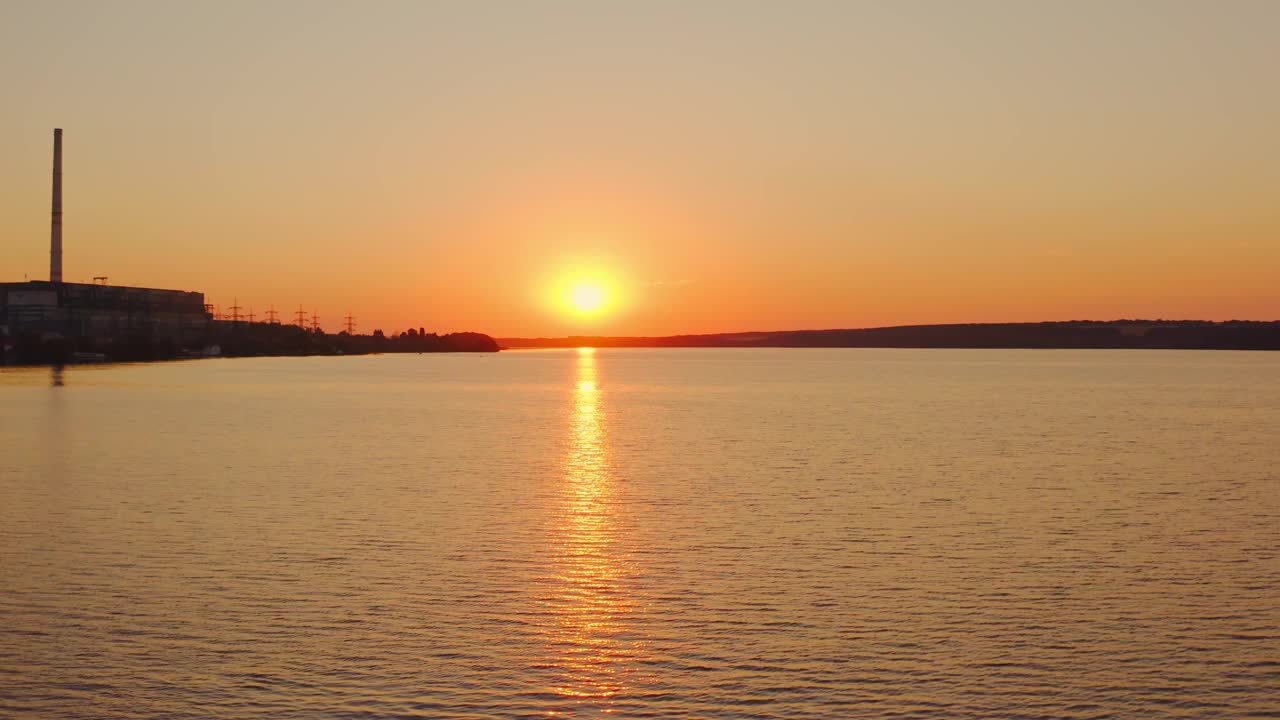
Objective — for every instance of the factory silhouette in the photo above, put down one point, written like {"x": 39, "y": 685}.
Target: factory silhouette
{"x": 53, "y": 321}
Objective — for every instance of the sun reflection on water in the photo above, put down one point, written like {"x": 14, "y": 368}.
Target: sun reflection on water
{"x": 590, "y": 649}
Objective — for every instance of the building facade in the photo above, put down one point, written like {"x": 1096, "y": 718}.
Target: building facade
{"x": 102, "y": 313}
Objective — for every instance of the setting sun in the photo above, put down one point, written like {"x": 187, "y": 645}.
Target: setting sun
{"x": 584, "y": 294}
{"x": 587, "y": 298}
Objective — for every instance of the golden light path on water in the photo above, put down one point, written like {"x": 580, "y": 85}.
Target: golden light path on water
{"x": 590, "y": 603}
{"x": 713, "y": 534}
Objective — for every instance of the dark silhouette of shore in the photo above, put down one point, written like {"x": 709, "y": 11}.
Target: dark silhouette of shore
{"x": 1113, "y": 334}
{"x": 236, "y": 339}
{"x": 231, "y": 339}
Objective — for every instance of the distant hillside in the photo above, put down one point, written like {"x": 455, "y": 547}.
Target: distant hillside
{"x": 1115, "y": 334}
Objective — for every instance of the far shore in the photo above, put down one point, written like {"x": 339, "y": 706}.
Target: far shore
{"x": 1074, "y": 334}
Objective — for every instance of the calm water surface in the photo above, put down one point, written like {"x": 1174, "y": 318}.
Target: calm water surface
{"x": 633, "y": 533}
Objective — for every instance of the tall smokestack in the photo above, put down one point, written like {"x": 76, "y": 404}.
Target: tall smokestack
{"x": 55, "y": 236}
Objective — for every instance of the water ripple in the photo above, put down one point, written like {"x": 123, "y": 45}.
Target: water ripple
{"x": 723, "y": 534}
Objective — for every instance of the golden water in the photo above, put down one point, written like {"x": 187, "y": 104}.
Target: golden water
{"x": 635, "y": 533}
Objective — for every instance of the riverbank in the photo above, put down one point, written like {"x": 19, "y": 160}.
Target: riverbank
{"x": 1075, "y": 334}
{"x": 232, "y": 339}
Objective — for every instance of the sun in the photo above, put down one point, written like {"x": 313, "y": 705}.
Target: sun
{"x": 584, "y": 295}
{"x": 587, "y": 297}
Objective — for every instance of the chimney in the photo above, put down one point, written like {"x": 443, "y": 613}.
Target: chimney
{"x": 55, "y": 236}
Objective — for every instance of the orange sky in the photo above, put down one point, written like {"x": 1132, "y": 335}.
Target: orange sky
{"x": 730, "y": 166}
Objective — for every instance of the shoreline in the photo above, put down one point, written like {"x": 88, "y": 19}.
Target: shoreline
{"x": 1063, "y": 335}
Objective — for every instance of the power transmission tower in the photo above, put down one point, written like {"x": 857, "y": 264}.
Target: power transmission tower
{"x": 250, "y": 314}
{"x": 301, "y": 315}
{"x": 315, "y": 322}
{"x": 273, "y": 317}
{"x": 351, "y": 324}
{"x": 235, "y": 310}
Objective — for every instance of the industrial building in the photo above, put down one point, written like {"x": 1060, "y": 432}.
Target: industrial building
{"x": 98, "y": 314}
{"x": 100, "y": 311}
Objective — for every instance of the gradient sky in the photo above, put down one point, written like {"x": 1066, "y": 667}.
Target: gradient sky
{"x": 731, "y": 165}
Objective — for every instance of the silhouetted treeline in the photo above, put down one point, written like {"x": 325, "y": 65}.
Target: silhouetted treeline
{"x": 239, "y": 339}
{"x": 422, "y": 341}
{"x": 1115, "y": 334}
